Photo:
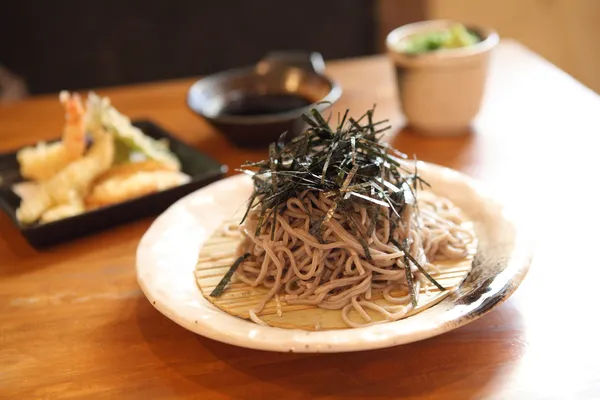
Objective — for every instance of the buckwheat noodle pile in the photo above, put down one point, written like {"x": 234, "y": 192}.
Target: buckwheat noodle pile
{"x": 338, "y": 219}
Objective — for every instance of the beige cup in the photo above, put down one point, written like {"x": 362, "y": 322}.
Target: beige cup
{"x": 441, "y": 91}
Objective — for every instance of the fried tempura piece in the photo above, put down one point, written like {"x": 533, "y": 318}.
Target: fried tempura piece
{"x": 45, "y": 160}
{"x": 42, "y": 161}
{"x": 72, "y": 181}
{"x": 79, "y": 175}
{"x": 126, "y": 170}
{"x": 74, "y": 133}
{"x": 100, "y": 113}
{"x": 74, "y": 207}
{"x": 122, "y": 188}
{"x": 34, "y": 204}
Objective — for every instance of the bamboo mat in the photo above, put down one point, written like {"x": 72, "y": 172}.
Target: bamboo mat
{"x": 219, "y": 252}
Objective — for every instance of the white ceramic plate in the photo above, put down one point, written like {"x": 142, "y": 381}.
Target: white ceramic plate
{"x": 167, "y": 255}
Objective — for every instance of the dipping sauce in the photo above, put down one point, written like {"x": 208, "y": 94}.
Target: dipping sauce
{"x": 264, "y": 104}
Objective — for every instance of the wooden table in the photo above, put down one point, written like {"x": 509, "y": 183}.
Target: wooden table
{"x": 74, "y": 323}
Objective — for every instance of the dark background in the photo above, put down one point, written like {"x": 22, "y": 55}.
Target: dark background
{"x": 58, "y": 44}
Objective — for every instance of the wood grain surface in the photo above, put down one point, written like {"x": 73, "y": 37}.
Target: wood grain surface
{"x": 74, "y": 323}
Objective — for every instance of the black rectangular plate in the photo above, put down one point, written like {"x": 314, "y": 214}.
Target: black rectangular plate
{"x": 201, "y": 168}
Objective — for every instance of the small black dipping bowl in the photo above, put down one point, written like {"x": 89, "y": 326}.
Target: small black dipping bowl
{"x": 253, "y": 106}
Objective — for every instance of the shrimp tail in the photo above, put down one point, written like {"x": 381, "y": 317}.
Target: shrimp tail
{"x": 45, "y": 160}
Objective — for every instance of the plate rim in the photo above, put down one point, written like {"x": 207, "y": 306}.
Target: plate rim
{"x": 329, "y": 341}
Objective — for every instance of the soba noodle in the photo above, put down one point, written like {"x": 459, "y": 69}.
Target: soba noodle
{"x": 334, "y": 222}
{"x": 334, "y": 271}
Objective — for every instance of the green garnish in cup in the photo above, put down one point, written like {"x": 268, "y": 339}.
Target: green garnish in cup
{"x": 454, "y": 37}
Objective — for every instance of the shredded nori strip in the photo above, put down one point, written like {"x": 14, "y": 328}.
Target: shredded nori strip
{"x": 410, "y": 258}
{"x": 431, "y": 279}
{"x": 347, "y": 158}
{"x": 373, "y": 217}
{"x": 347, "y": 163}
{"x": 225, "y": 280}
{"x": 409, "y": 276}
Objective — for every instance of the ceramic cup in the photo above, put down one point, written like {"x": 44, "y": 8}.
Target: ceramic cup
{"x": 441, "y": 91}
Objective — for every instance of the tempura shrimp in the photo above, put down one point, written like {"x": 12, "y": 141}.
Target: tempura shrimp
{"x": 79, "y": 175}
{"x": 71, "y": 182}
{"x": 43, "y": 161}
{"x": 74, "y": 133}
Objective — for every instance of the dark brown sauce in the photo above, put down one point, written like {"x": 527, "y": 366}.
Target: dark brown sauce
{"x": 264, "y": 104}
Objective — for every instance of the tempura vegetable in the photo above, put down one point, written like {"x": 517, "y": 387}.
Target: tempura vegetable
{"x": 125, "y": 170}
{"x": 100, "y": 113}
{"x": 121, "y": 188}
